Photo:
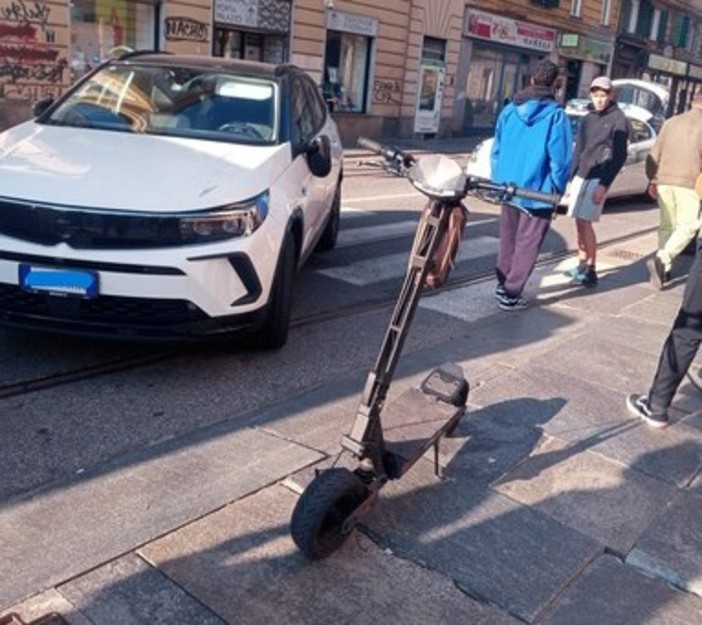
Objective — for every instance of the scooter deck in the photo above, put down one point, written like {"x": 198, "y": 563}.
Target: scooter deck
{"x": 412, "y": 424}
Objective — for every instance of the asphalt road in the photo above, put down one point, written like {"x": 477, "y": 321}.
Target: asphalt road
{"x": 69, "y": 405}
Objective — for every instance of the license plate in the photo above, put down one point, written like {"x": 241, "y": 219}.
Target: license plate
{"x": 67, "y": 282}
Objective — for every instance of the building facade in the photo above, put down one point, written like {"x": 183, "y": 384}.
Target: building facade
{"x": 393, "y": 69}
{"x": 662, "y": 41}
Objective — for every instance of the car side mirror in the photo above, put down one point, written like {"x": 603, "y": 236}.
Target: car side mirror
{"x": 319, "y": 158}
{"x": 41, "y": 106}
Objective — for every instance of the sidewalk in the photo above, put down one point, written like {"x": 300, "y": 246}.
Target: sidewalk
{"x": 557, "y": 507}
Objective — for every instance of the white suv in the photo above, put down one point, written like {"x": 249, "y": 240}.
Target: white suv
{"x": 167, "y": 196}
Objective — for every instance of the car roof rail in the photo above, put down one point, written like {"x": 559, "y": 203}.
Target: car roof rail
{"x": 137, "y": 53}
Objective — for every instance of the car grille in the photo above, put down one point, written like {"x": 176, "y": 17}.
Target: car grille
{"x": 119, "y": 311}
{"x": 86, "y": 229}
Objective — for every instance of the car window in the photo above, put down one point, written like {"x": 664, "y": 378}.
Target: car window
{"x": 181, "y": 101}
{"x": 303, "y": 128}
{"x": 629, "y": 94}
{"x": 575, "y": 121}
{"x": 638, "y": 131}
{"x": 316, "y": 104}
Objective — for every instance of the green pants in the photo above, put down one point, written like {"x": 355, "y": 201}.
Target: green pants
{"x": 680, "y": 221}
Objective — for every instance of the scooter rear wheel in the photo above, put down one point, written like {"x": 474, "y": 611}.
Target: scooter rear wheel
{"x": 317, "y": 524}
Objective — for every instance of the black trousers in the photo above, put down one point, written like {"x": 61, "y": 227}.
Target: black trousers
{"x": 680, "y": 348}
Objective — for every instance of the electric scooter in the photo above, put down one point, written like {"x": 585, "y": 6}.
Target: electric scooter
{"x": 386, "y": 440}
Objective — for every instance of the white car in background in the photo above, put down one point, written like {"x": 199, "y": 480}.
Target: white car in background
{"x": 167, "y": 197}
{"x": 630, "y": 181}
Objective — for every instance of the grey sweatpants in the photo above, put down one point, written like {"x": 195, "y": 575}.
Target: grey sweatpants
{"x": 521, "y": 236}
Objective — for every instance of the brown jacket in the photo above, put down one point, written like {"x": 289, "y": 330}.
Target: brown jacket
{"x": 676, "y": 156}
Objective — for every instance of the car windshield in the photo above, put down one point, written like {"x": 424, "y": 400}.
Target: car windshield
{"x": 170, "y": 101}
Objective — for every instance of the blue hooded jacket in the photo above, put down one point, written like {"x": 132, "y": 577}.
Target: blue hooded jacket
{"x": 533, "y": 146}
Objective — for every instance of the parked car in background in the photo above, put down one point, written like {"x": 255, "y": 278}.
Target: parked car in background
{"x": 645, "y": 94}
{"x": 167, "y": 196}
{"x": 630, "y": 181}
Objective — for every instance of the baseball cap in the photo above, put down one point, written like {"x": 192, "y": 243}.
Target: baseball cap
{"x": 601, "y": 82}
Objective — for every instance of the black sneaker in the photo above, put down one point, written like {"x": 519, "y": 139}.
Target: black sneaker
{"x": 656, "y": 272}
{"x": 639, "y": 406}
{"x": 512, "y": 303}
{"x": 588, "y": 279}
{"x": 500, "y": 291}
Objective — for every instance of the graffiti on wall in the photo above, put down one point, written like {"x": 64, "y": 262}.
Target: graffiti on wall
{"x": 185, "y": 29}
{"x": 386, "y": 91}
{"x": 31, "y": 66}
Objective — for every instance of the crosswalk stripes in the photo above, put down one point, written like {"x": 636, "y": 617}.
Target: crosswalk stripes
{"x": 349, "y": 237}
{"x": 469, "y": 303}
{"x": 391, "y": 266}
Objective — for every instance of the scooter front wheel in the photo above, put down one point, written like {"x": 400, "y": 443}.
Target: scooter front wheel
{"x": 318, "y": 520}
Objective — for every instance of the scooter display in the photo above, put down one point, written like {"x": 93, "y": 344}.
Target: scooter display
{"x": 387, "y": 439}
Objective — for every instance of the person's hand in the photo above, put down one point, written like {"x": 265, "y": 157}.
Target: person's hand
{"x": 652, "y": 191}
{"x": 599, "y": 194}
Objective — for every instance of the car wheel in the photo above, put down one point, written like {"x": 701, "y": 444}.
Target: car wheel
{"x": 331, "y": 232}
{"x": 274, "y": 332}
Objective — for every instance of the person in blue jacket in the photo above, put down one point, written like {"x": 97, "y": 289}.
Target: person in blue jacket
{"x": 533, "y": 148}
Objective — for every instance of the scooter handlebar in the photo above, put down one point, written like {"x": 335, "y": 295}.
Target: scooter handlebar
{"x": 390, "y": 154}
{"x": 507, "y": 191}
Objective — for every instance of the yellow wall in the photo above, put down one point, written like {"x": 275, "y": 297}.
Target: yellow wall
{"x": 187, "y": 26}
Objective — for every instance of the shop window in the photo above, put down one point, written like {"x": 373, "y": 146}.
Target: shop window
{"x": 346, "y": 71}
{"x": 100, "y": 29}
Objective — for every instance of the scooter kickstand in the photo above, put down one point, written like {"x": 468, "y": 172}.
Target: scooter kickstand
{"x": 437, "y": 466}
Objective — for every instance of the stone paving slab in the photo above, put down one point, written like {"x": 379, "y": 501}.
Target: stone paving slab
{"x": 55, "y": 535}
{"x": 42, "y": 604}
{"x": 241, "y": 562}
{"x": 494, "y": 548}
{"x": 588, "y": 492}
{"x": 671, "y": 548}
{"x": 596, "y": 418}
{"x": 613, "y": 593}
{"x": 490, "y": 440}
{"x": 128, "y": 591}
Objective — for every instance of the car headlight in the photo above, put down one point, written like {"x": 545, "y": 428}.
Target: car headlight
{"x": 237, "y": 220}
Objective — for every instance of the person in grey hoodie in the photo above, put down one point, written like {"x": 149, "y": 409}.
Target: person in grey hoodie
{"x": 532, "y": 148}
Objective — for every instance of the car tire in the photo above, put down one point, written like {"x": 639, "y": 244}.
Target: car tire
{"x": 331, "y": 231}
{"x": 274, "y": 332}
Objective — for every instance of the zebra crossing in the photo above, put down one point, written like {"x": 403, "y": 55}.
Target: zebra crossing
{"x": 470, "y": 303}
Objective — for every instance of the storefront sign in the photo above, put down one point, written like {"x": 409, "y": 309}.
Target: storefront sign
{"x": 352, "y": 23}
{"x": 508, "y": 31}
{"x": 578, "y": 47}
{"x": 694, "y": 71}
{"x": 185, "y": 29}
{"x": 570, "y": 40}
{"x": 663, "y": 64}
{"x": 238, "y": 12}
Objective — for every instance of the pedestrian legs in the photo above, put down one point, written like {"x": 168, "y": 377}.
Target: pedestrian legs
{"x": 679, "y": 221}
{"x": 681, "y": 346}
{"x": 524, "y": 234}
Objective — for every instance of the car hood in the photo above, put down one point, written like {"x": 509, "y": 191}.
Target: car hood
{"x": 107, "y": 169}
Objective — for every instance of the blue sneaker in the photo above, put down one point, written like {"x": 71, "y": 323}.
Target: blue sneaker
{"x": 576, "y": 273}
